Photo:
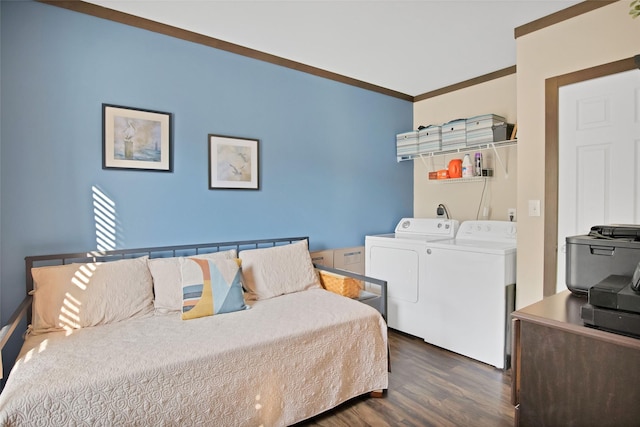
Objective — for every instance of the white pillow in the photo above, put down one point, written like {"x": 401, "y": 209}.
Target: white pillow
{"x": 167, "y": 282}
{"x": 279, "y": 270}
{"x": 75, "y": 296}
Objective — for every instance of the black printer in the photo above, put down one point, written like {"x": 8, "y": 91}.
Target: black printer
{"x": 605, "y": 265}
{"x": 606, "y": 250}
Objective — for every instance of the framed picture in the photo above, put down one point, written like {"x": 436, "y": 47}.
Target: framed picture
{"x": 133, "y": 138}
{"x": 233, "y": 163}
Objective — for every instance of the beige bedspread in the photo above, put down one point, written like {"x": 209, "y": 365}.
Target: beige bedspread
{"x": 284, "y": 360}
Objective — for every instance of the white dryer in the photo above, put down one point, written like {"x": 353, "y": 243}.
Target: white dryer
{"x": 401, "y": 259}
{"x": 471, "y": 291}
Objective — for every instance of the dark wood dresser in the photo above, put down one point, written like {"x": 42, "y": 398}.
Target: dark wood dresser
{"x": 567, "y": 374}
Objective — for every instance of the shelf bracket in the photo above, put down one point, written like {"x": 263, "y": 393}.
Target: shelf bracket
{"x": 504, "y": 168}
{"x": 424, "y": 162}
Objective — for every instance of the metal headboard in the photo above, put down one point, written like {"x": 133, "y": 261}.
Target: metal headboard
{"x": 151, "y": 252}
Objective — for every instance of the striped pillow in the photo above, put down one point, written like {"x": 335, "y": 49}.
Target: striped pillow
{"x": 210, "y": 287}
{"x": 167, "y": 285}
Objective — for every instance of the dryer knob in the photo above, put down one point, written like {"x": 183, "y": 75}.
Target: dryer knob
{"x": 429, "y": 251}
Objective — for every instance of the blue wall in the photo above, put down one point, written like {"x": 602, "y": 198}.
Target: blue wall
{"x": 328, "y": 165}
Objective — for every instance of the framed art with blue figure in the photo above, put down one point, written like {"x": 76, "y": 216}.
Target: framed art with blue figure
{"x": 134, "y": 138}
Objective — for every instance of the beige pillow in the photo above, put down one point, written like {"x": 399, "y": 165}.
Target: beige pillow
{"x": 79, "y": 295}
{"x": 279, "y": 270}
{"x": 167, "y": 282}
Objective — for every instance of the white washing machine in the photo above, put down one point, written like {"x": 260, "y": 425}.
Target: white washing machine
{"x": 401, "y": 259}
{"x": 471, "y": 291}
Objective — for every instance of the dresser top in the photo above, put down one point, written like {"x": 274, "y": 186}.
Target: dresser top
{"x": 562, "y": 311}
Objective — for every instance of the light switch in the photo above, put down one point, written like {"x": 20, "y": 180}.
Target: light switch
{"x": 534, "y": 207}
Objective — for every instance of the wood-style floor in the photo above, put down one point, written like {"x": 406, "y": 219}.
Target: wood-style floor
{"x": 429, "y": 386}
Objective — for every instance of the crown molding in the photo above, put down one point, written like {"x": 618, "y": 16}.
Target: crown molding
{"x": 561, "y": 15}
{"x": 157, "y": 27}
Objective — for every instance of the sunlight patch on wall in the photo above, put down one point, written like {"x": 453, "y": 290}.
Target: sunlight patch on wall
{"x": 104, "y": 215}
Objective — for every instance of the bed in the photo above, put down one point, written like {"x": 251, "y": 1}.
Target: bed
{"x": 287, "y": 352}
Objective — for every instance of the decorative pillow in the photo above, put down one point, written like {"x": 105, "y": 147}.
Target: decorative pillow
{"x": 167, "y": 284}
{"x": 75, "y": 296}
{"x": 210, "y": 287}
{"x": 279, "y": 270}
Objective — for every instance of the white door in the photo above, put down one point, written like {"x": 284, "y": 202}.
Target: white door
{"x": 599, "y": 157}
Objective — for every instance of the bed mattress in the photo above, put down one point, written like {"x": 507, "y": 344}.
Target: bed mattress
{"x": 284, "y": 360}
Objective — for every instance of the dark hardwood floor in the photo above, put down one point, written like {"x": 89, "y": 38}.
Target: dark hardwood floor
{"x": 429, "y": 386}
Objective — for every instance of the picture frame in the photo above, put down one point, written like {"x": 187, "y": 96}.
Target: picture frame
{"x": 137, "y": 139}
{"x": 233, "y": 163}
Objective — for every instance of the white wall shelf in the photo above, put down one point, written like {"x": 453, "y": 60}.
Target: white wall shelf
{"x": 480, "y": 147}
{"x": 460, "y": 180}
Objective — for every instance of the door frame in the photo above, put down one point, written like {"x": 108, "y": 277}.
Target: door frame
{"x": 551, "y": 157}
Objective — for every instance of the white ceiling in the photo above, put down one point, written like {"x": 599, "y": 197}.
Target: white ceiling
{"x": 412, "y": 47}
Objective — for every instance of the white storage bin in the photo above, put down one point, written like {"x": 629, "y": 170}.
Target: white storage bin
{"x": 407, "y": 143}
{"x": 485, "y": 121}
{"x": 480, "y": 129}
{"x": 430, "y": 139}
{"x": 454, "y": 134}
